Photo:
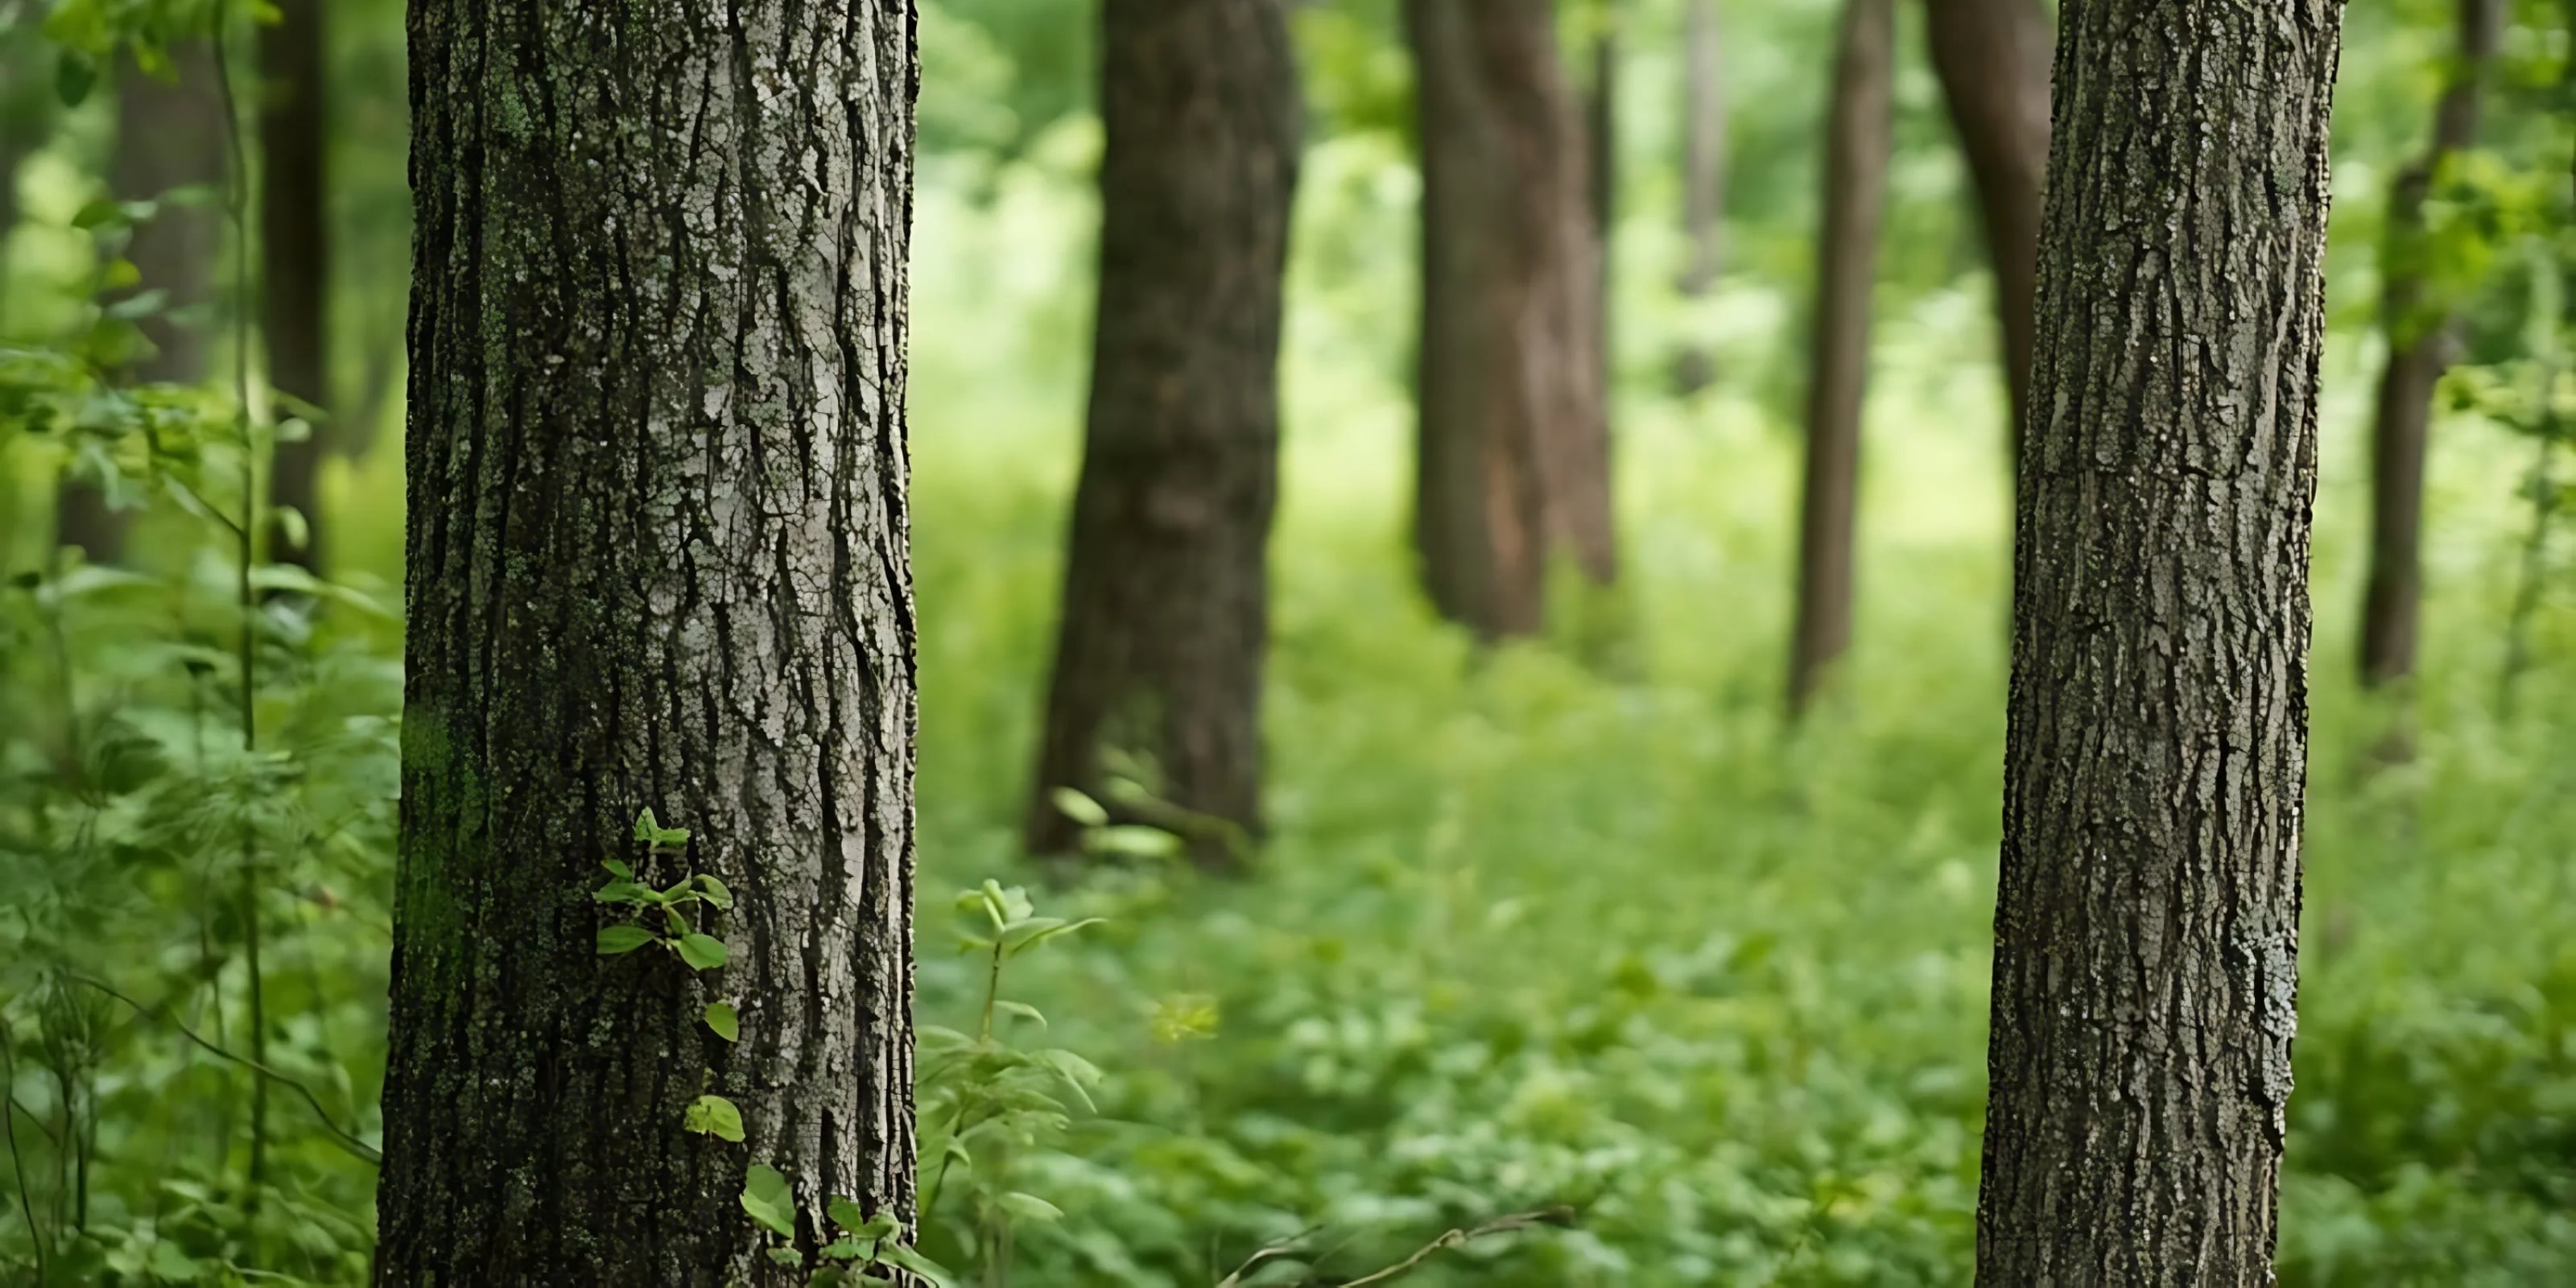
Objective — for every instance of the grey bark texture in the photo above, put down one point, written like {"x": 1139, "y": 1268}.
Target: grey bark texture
{"x": 658, "y": 558}
{"x": 2146, "y": 933}
{"x": 1167, "y": 585}
{"x": 1992, "y": 60}
{"x": 170, "y": 135}
{"x": 1514, "y": 467}
{"x": 1703, "y": 173}
{"x": 1858, "y": 136}
{"x": 295, "y": 252}
{"x": 2419, "y": 351}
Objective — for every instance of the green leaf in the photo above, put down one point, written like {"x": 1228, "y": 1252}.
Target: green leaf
{"x": 617, "y": 868}
{"x": 1021, "y": 1009}
{"x": 646, "y": 827}
{"x": 614, "y": 940}
{"x": 1078, "y": 807}
{"x": 715, "y": 892}
{"x": 786, "y": 1257}
{"x": 766, "y": 1197}
{"x": 101, "y": 213}
{"x": 74, "y": 77}
{"x": 1029, "y": 939}
{"x": 704, "y": 952}
{"x": 1143, "y": 842}
{"x": 844, "y": 1213}
{"x": 896, "y": 1254}
{"x": 722, "y": 1019}
{"x": 677, "y": 921}
{"x": 625, "y": 892}
{"x": 1029, "y": 1207}
{"x": 715, "y": 1116}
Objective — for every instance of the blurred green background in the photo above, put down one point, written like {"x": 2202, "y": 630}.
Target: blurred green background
{"x": 1533, "y": 926}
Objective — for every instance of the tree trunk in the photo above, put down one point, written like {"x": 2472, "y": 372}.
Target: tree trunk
{"x": 2419, "y": 350}
{"x": 658, "y": 559}
{"x": 1856, "y": 148}
{"x": 1601, "y": 150}
{"x": 170, "y": 135}
{"x": 2146, "y": 956}
{"x": 295, "y": 253}
{"x": 1166, "y": 600}
{"x": 1992, "y": 60}
{"x": 1515, "y": 459}
{"x": 1703, "y": 173}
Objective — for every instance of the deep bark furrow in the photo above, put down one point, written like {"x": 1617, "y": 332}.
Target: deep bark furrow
{"x": 2146, "y": 930}
{"x": 644, "y": 447}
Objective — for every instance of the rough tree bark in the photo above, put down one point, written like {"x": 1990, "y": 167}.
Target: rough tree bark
{"x": 2146, "y": 956}
{"x": 658, "y": 558}
{"x": 1856, "y": 148}
{"x": 295, "y": 253}
{"x": 1992, "y": 60}
{"x": 1167, "y": 584}
{"x": 1514, "y": 468}
{"x": 1703, "y": 173}
{"x": 169, "y": 136}
{"x": 2419, "y": 350}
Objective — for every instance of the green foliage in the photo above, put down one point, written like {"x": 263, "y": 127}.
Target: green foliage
{"x": 672, "y": 928}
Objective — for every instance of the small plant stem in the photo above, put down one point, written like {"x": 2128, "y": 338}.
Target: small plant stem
{"x": 246, "y": 535}
{"x": 18, "y": 1164}
{"x": 992, "y": 990}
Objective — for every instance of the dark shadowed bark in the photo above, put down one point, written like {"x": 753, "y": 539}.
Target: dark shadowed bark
{"x": 169, "y": 136}
{"x": 1856, "y": 147}
{"x": 657, "y": 558}
{"x": 295, "y": 253}
{"x": 1166, "y": 601}
{"x": 1992, "y": 59}
{"x": 2419, "y": 350}
{"x": 1703, "y": 173}
{"x": 2146, "y": 935}
{"x": 1514, "y": 468}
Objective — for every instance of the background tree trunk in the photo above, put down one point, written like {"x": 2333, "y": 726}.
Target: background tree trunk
{"x": 1992, "y": 60}
{"x": 2419, "y": 350}
{"x": 658, "y": 558}
{"x": 295, "y": 253}
{"x": 169, "y": 135}
{"x": 2146, "y": 955}
{"x": 1166, "y": 601}
{"x": 1515, "y": 460}
{"x": 1703, "y": 173}
{"x": 1856, "y": 147}
{"x": 1601, "y": 150}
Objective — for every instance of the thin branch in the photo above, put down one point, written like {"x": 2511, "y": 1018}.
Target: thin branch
{"x": 1284, "y": 1247}
{"x": 1460, "y": 1238}
{"x": 346, "y": 1140}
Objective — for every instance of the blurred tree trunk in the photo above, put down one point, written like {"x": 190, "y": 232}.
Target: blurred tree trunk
{"x": 169, "y": 135}
{"x": 2146, "y": 957}
{"x": 1992, "y": 60}
{"x": 1514, "y": 466}
{"x": 2419, "y": 350}
{"x": 1601, "y": 150}
{"x": 1856, "y": 149}
{"x": 1166, "y": 598}
{"x": 295, "y": 253}
{"x": 1703, "y": 173}
{"x": 658, "y": 558}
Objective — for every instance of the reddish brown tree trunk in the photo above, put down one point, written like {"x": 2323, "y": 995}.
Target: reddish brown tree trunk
{"x": 2419, "y": 345}
{"x": 1514, "y": 467}
{"x": 1703, "y": 173}
{"x": 1856, "y": 148}
{"x": 1992, "y": 59}
{"x": 169, "y": 136}
{"x": 295, "y": 254}
{"x": 1166, "y": 601}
